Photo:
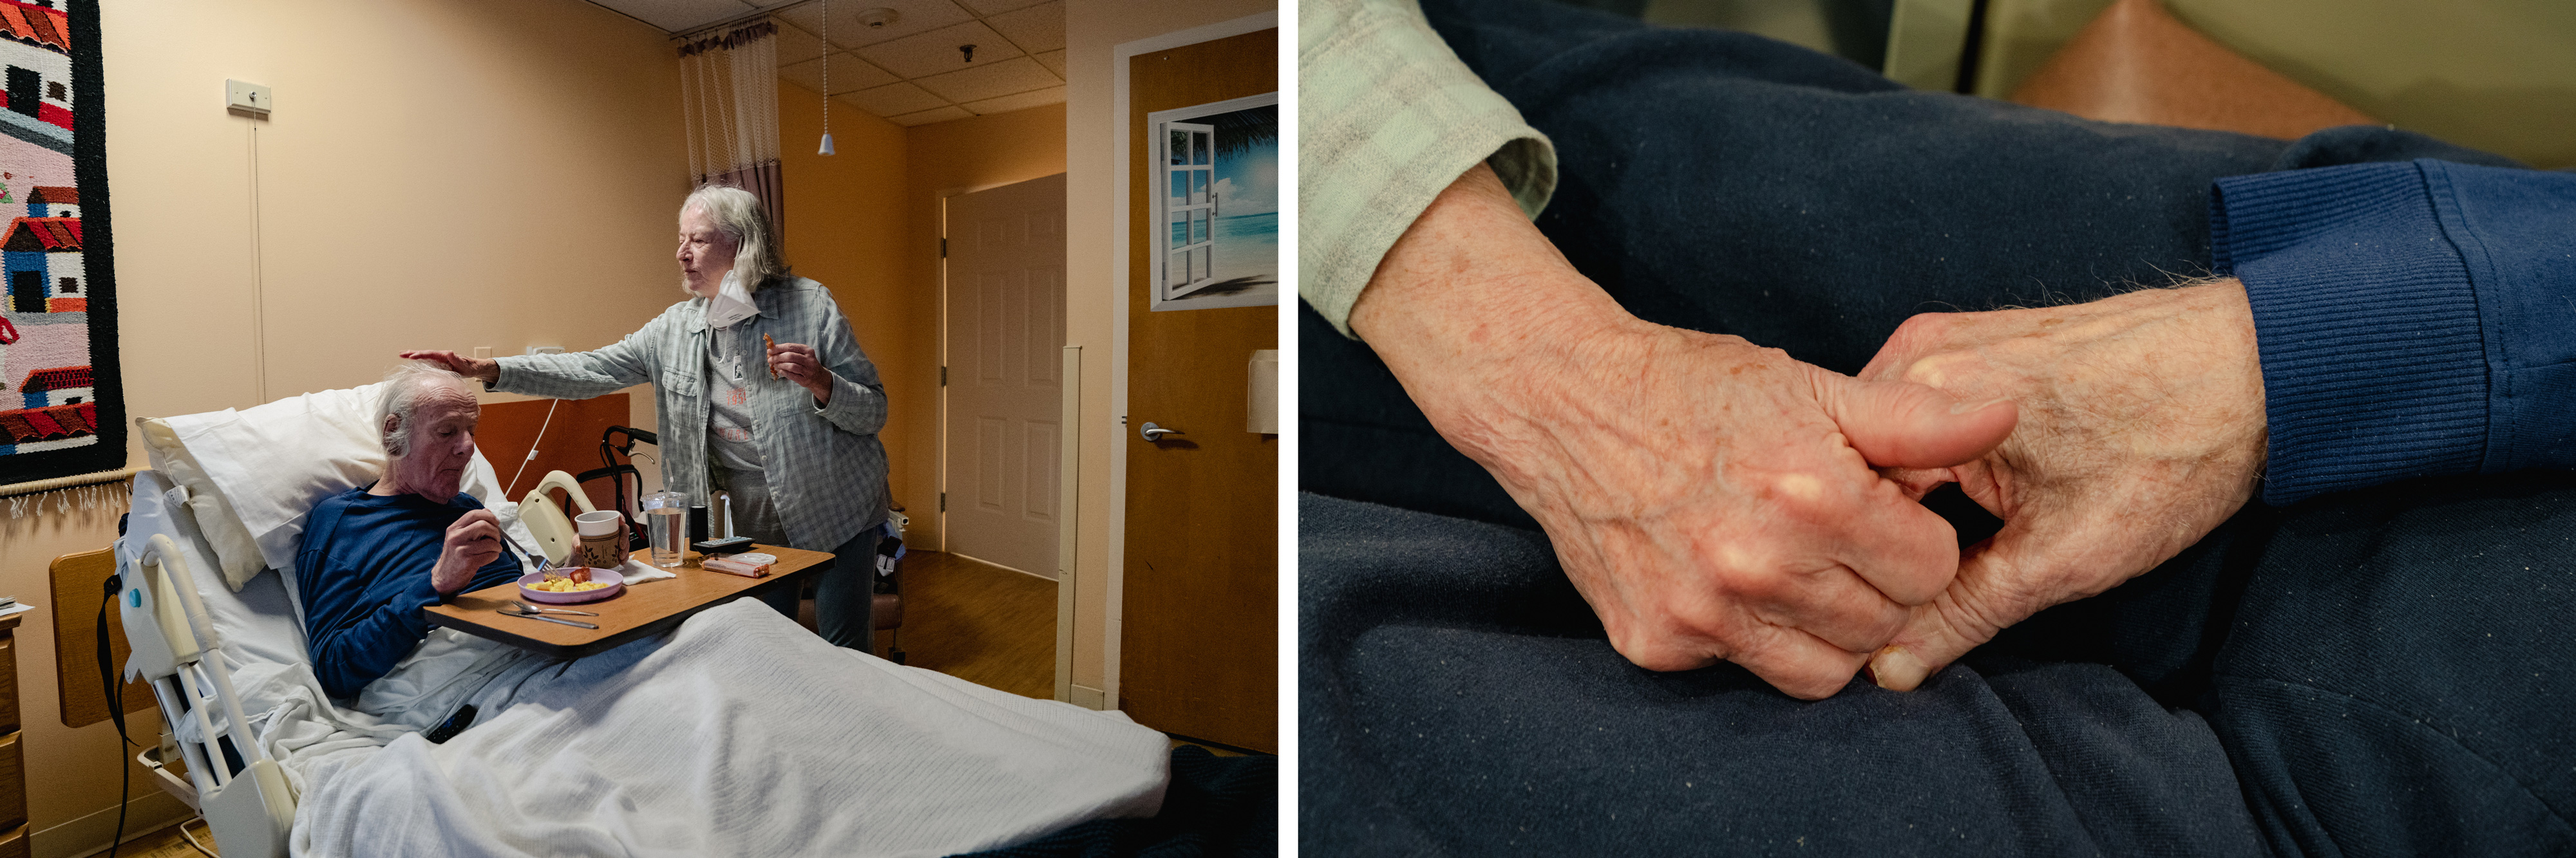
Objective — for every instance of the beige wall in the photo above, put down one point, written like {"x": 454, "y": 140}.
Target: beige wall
{"x": 865, "y": 222}
{"x": 1093, "y": 29}
{"x": 847, "y": 227}
{"x": 438, "y": 174}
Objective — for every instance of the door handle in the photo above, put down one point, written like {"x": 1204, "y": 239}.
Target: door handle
{"x": 1156, "y": 433}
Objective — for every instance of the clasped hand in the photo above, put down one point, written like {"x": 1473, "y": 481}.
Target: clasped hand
{"x": 1711, "y": 499}
{"x": 2142, "y": 429}
{"x": 1714, "y": 500}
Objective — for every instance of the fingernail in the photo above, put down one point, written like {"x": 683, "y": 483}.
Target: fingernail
{"x": 1964, "y": 408}
{"x": 1895, "y": 669}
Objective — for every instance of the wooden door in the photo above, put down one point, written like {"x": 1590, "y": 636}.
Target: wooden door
{"x": 1198, "y": 650}
{"x": 1005, "y": 394}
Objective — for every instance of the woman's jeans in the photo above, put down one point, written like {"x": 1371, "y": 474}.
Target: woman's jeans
{"x": 844, "y": 594}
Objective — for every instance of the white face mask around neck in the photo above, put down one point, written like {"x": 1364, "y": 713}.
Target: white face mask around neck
{"x": 731, "y": 304}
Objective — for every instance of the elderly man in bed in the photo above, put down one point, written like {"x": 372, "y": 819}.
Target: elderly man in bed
{"x": 697, "y": 742}
{"x": 374, "y": 556}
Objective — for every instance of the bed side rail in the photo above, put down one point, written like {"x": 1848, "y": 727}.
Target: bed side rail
{"x": 241, "y": 792}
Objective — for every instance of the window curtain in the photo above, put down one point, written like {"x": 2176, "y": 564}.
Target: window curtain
{"x": 729, "y": 103}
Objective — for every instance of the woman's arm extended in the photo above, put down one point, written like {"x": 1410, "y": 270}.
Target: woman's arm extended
{"x": 579, "y": 375}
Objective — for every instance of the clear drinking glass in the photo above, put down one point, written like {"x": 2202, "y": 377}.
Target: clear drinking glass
{"x": 665, "y": 527}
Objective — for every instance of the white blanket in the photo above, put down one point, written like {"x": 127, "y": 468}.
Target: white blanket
{"x": 738, "y": 734}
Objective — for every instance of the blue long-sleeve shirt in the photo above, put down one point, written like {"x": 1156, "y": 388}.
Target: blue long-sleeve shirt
{"x": 2414, "y": 318}
{"x": 364, "y": 569}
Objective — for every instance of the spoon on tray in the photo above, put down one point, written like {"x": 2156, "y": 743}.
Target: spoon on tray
{"x": 545, "y": 610}
{"x": 513, "y": 612}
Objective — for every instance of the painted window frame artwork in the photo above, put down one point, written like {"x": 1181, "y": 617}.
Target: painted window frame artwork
{"x": 61, "y": 389}
{"x": 1216, "y": 243}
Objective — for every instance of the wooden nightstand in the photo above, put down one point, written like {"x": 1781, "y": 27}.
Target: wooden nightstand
{"x": 13, "y": 761}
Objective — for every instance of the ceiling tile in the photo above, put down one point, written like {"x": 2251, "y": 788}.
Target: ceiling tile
{"x": 1053, "y": 60}
{"x": 894, "y": 99}
{"x": 935, "y": 52}
{"x": 1022, "y": 101}
{"x": 992, "y": 7}
{"x": 795, "y": 45}
{"x": 929, "y": 116}
{"x": 912, "y": 18}
{"x": 1034, "y": 29}
{"x": 849, "y": 74}
{"x": 1015, "y": 75}
{"x": 677, "y": 15}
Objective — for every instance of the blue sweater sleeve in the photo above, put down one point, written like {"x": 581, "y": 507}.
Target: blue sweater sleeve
{"x": 2415, "y": 319}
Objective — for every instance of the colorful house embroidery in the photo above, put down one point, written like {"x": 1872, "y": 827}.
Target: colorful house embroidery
{"x": 60, "y": 406}
{"x": 36, "y": 71}
{"x": 42, "y": 258}
{"x": 62, "y": 385}
{"x": 53, "y": 201}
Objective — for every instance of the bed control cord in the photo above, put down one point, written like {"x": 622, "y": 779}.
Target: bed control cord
{"x": 532, "y": 449}
{"x": 112, "y": 691}
{"x": 192, "y": 840}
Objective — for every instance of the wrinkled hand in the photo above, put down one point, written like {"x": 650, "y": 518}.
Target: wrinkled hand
{"x": 1710, "y": 499}
{"x": 2142, "y": 429}
{"x": 485, "y": 370}
{"x": 798, "y": 363}
{"x": 473, "y": 542}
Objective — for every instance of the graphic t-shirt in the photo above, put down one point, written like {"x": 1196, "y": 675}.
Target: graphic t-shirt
{"x": 734, "y": 462}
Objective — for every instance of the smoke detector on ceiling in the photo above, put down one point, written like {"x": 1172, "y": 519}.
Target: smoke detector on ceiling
{"x": 878, "y": 18}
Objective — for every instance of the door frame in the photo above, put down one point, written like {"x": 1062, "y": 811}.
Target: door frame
{"x": 1123, "y": 110}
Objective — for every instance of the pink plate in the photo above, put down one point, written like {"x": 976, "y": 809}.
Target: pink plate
{"x": 616, "y": 585}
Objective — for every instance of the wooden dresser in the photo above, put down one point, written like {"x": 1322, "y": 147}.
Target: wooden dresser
{"x": 13, "y": 760}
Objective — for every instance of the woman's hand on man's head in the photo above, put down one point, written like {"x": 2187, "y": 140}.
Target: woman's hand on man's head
{"x": 485, "y": 370}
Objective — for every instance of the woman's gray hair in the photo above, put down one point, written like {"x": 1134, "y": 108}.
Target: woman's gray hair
{"x": 404, "y": 385}
{"x": 739, "y": 215}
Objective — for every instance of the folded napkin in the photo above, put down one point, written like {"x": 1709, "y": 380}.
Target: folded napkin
{"x": 637, "y": 572}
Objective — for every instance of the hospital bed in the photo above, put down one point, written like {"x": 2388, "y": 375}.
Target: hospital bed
{"x": 275, "y": 767}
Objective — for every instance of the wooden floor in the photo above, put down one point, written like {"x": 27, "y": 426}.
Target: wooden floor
{"x": 165, "y": 843}
{"x": 975, "y": 621}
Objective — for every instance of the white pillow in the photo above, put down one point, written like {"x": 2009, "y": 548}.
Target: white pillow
{"x": 237, "y": 558}
{"x": 268, "y": 466}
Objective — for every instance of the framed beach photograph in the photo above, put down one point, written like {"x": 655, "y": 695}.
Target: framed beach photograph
{"x": 1216, "y": 177}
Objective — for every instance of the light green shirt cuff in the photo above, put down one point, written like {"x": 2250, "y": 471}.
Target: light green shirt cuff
{"x": 1388, "y": 117}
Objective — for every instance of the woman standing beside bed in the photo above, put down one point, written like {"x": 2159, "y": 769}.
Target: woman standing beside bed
{"x": 788, "y": 430}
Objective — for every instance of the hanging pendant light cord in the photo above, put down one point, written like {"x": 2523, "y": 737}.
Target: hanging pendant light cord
{"x": 827, "y": 69}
